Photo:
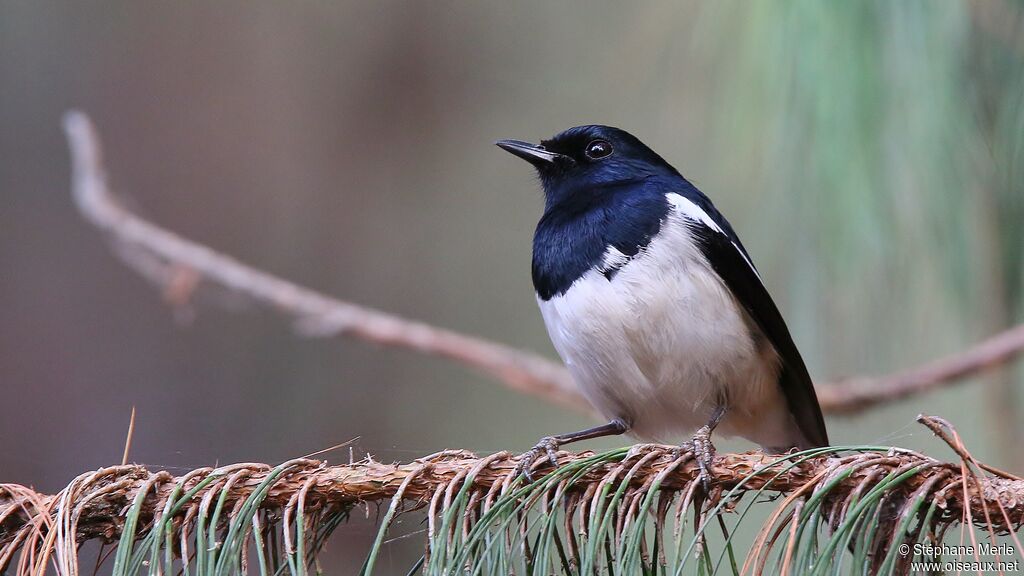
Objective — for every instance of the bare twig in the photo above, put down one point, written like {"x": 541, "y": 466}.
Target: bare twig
{"x": 164, "y": 257}
{"x": 858, "y": 393}
{"x": 177, "y": 265}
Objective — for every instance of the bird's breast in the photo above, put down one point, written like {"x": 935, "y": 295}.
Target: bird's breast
{"x": 661, "y": 340}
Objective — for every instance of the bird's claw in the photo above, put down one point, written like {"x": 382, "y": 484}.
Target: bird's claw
{"x": 547, "y": 446}
{"x": 703, "y": 452}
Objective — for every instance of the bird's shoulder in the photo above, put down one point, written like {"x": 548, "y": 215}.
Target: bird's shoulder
{"x": 702, "y": 215}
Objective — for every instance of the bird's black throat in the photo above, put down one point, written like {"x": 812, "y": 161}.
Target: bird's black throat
{"x": 572, "y": 237}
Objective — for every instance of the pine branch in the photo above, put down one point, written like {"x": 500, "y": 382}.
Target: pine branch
{"x": 139, "y": 508}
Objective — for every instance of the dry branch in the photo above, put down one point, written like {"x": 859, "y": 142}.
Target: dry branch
{"x": 100, "y": 507}
{"x": 177, "y": 265}
{"x": 855, "y": 394}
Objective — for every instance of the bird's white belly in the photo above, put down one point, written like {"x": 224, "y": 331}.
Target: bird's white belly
{"x": 663, "y": 342}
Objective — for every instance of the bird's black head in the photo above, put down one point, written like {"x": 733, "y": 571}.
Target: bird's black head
{"x": 586, "y": 161}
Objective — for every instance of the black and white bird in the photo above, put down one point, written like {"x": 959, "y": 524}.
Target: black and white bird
{"x": 654, "y": 305}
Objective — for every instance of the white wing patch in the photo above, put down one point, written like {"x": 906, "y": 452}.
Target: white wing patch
{"x": 691, "y": 211}
{"x": 613, "y": 259}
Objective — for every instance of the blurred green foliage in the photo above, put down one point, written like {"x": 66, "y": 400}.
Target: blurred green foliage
{"x": 886, "y": 139}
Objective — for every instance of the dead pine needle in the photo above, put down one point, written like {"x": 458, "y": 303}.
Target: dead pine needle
{"x": 128, "y": 438}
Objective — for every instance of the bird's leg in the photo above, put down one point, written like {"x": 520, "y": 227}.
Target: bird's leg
{"x": 549, "y": 445}
{"x": 702, "y": 448}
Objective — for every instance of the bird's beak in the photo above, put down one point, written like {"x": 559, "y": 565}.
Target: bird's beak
{"x": 532, "y": 153}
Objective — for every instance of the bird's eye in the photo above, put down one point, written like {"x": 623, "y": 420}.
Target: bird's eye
{"x": 598, "y": 149}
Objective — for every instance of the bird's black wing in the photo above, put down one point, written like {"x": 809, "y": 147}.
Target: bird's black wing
{"x": 730, "y": 260}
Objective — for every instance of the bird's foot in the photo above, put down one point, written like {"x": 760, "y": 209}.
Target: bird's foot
{"x": 547, "y": 446}
{"x": 703, "y": 452}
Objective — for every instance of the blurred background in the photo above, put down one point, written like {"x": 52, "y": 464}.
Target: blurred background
{"x": 870, "y": 154}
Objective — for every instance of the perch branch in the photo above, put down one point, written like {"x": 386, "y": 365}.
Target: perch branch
{"x": 177, "y": 265}
{"x": 221, "y": 509}
{"x": 98, "y": 500}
